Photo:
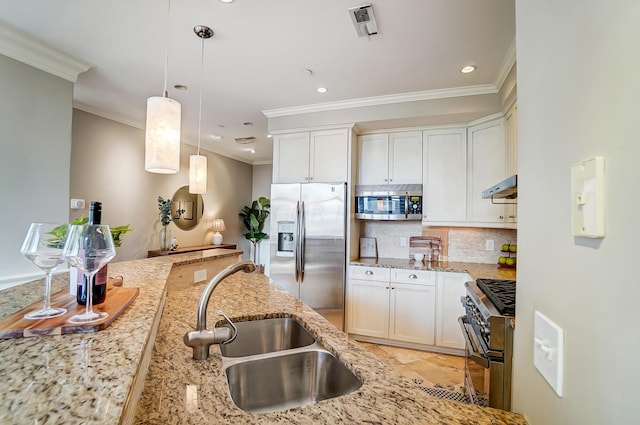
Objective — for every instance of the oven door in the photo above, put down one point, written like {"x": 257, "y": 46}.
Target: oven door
{"x": 484, "y": 374}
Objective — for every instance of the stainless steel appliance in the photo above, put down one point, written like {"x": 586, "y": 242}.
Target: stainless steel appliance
{"x": 507, "y": 189}
{"x": 389, "y": 202}
{"x": 488, "y": 328}
{"x": 307, "y": 250}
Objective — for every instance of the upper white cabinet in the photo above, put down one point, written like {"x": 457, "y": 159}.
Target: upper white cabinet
{"x": 487, "y": 166}
{"x": 394, "y": 158}
{"x": 314, "y": 156}
{"x": 511, "y": 122}
{"x": 445, "y": 175}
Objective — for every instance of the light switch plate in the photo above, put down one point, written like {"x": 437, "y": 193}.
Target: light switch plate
{"x": 548, "y": 351}
{"x": 587, "y": 198}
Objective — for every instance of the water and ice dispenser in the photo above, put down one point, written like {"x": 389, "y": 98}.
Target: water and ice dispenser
{"x": 285, "y": 238}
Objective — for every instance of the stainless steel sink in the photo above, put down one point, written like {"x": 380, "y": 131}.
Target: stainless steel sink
{"x": 288, "y": 380}
{"x": 266, "y": 336}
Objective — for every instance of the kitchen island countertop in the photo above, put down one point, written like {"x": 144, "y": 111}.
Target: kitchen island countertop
{"x": 90, "y": 378}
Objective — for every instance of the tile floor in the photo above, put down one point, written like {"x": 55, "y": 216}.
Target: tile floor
{"x": 431, "y": 368}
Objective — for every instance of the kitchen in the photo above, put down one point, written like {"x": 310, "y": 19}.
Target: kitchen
{"x": 553, "y": 267}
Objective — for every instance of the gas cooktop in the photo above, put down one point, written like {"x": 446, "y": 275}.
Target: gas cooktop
{"x": 502, "y": 294}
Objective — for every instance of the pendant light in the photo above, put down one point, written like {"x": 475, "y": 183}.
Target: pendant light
{"x": 162, "y": 132}
{"x": 198, "y": 163}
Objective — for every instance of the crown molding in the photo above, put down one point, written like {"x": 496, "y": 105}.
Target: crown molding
{"x": 102, "y": 113}
{"x": 507, "y": 65}
{"x": 382, "y": 100}
{"x": 27, "y": 49}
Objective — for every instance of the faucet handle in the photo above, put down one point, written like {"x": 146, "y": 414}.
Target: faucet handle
{"x": 234, "y": 330}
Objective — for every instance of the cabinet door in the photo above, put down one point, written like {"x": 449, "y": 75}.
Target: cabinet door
{"x": 373, "y": 159}
{"x": 445, "y": 175}
{"x": 368, "y": 307}
{"x": 450, "y": 288}
{"x": 487, "y": 166}
{"x": 412, "y": 313}
{"x": 291, "y": 158}
{"x": 405, "y": 157}
{"x": 329, "y": 156}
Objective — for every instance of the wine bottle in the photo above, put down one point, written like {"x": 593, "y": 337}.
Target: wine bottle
{"x": 93, "y": 240}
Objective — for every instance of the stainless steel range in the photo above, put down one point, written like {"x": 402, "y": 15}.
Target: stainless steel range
{"x": 488, "y": 328}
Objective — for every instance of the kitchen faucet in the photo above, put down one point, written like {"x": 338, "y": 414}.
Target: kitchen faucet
{"x": 202, "y": 338}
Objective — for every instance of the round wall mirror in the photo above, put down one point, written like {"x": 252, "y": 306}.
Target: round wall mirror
{"x": 193, "y": 206}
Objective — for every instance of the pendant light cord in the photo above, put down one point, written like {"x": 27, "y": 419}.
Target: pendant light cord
{"x": 166, "y": 51}
{"x": 201, "y": 82}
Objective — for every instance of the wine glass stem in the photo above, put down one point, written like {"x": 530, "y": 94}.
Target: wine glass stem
{"x": 89, "y": 292}
{"x": 47, "y": 291}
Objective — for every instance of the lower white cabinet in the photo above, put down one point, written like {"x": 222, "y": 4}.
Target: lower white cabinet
{"x": 386, "y": 305}
{"x": 411, "y": 306}
{"x": 449, "y": 289}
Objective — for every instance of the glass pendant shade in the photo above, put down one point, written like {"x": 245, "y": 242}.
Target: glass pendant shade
{"x": 198, "y": 174}
{"x": 162, "y": 135}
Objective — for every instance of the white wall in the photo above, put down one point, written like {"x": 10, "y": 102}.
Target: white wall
{"x": 578, "y": 90}
{"x": 35, "y": 143}
{"x": 107, "y": 165}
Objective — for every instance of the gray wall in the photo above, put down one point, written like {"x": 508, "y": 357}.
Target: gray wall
{"x": 578, "y": 90}
{"x": 107, "y": 165}
{"x": 262, "y": 175}
{"x": 35, "y": 143}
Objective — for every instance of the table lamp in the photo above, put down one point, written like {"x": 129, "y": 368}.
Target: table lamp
{"x": 217, "y": 227}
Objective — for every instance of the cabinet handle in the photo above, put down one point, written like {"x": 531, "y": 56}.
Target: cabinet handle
{"x": 413, "y": 276}
{"x": 512, "y": 216}
{"x": 368, "y": 272}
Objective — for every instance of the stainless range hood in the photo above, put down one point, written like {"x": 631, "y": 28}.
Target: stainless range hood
{"x": 506, "y": 189}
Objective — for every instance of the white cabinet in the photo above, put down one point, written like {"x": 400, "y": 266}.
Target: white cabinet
{"x": 487, "y": 166}
{"x": 511, "y": 123}
{"x": 445, "y": 176}
{"x": 315, "y": 156}
{"x": 394, "y": 158}
{"x": 449, "y": 289}
{"x": 391, "y": 304}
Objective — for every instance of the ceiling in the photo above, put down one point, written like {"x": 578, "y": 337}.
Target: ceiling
{"x": 255, "y": 62}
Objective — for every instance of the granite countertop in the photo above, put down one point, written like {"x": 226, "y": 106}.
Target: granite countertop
{"x": 84, "y": 378}
{"x": 385, "y": 397}
{"x": 91, "y": 378}
{"x": 476, "y": 270}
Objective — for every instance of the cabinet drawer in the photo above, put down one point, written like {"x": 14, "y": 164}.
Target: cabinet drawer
{"x": 422, "y": 277}
{"x": 370, "y": 273}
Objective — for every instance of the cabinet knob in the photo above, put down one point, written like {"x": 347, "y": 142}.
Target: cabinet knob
{"x": 386, "y": 180}
{"x": 368, "y": 272}
{"x": 501, "y": 217}
{"x": 386, "y": 287}
{"x": 413, "y": 276}
{"x": 310, "y": 178}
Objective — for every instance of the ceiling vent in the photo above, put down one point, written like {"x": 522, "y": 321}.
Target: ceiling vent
{"x": 363, "y": 20}
{"x": 245, "y": 140}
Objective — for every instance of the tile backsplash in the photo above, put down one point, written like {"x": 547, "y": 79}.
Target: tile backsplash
{"x": 464, "y": 244}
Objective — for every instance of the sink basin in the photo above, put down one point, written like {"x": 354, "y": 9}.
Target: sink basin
{"x": 288, "y": 380}
{"x": 266, "y": 336}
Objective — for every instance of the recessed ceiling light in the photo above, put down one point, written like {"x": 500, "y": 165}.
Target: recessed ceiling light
{"x": 467, "y": 69}
{"x": 227, "y": 1}
{"x": 321, "y": 89}
{"x": 307, "y": 71}
{"x": 217, "y": 137}
{"x": 269, "y": 136}
{"x": 180, "y": 87}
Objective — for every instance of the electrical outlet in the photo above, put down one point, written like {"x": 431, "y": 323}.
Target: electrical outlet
{"x": 77, "y": 204}
{"x": 200, "y": 275}
{"x": 403, "y": 242}
{"x": 489, "y": 245}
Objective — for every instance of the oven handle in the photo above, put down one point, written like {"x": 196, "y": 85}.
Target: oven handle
{"x": 473, "y": 347}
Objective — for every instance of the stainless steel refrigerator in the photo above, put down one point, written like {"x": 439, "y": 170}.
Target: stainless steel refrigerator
{"x": 308, "y": 223}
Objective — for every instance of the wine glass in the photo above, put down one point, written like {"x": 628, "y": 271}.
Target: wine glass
{"x": 43, "y": 246}
{"x": 88, "y": 248}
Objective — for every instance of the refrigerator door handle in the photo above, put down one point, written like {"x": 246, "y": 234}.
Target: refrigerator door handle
{"x": 296, "y": 251}
{"x": 406, "y": 205}
{"x": 303, "y": 236}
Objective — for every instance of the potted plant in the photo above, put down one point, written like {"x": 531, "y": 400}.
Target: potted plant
{"x": 164, "y": 206}
{"x": 253, "y": 219}
{"x": 116, "y": 232}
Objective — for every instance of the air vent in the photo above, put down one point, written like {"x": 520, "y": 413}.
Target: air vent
{"x": 245, "y": 140}
{"x": 363, "y": 20}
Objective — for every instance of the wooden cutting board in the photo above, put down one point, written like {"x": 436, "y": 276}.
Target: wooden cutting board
{"x": 117, "y": 301}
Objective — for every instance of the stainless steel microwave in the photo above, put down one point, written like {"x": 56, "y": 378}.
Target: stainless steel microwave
{"x": 389, "y": 202}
